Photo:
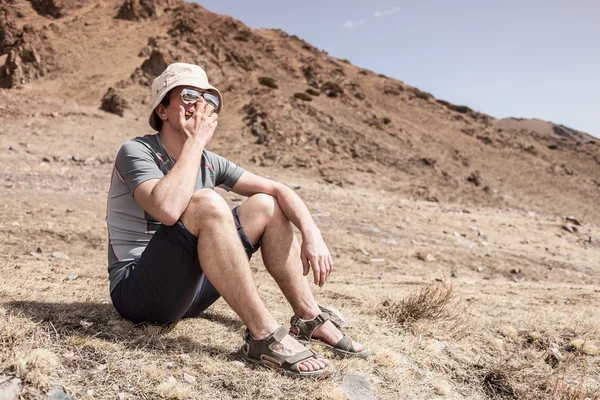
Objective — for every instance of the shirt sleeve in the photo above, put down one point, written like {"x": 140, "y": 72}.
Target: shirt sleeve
{"x": 136, "y": 164}
{"x": 227, "y": 173}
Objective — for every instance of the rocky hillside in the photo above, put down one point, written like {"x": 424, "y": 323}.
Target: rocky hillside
{"x": 289, "y": 105}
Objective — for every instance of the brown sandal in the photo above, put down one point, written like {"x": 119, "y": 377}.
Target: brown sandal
{"x": 259, "y": 351}
{"x": 306, "y": 327}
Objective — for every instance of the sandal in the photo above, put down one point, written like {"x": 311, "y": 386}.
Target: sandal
{"x": 306, "y": 327}
{"x": 259, "y": 351}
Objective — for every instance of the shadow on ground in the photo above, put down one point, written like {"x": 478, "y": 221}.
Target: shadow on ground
{"x": 101, "y": 321}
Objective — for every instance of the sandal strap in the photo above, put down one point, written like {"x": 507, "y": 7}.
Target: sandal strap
{"x": 306, "y": 327}
{"x": 345, "y": 344}
{"x": 259, "y": 349}
{"x": 276, "y": 336}
{"x": 292, "y": 362}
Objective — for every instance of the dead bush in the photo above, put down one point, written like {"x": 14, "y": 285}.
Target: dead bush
{"x": 268, "y": 82}
{"x": 499, "y": 383}
{"x": 558, "y": 389}
{"x": 420, "y": 94}
{"x": 432, "y": 302}
{"x": 332, "y": 89}
{"x": 302, "y": 96}
{"x": 460, "y": 109}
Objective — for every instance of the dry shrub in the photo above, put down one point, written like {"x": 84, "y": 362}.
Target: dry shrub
{"x": 558, "y": 389}
{"x": 420, "y": 94}
{"x": 460, "y": 109}
{"x": 559, "y": 384}
{"x": 499, "y": 383}
{"x": 302, "y": 96}
{"x": 313, "y": 92}
{"x": 434, "y": 302}
{"x": 332, "y": 89}
{"x": 268, "y": 82}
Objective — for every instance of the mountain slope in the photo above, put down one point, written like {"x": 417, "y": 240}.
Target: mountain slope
{"x": 362, "y": 129}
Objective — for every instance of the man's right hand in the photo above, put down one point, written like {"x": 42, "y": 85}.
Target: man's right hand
{"x": 201, "y": 125}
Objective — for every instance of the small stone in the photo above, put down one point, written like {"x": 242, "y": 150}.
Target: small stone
{"x": 427, "y": 257}
{"x": 335, "y": 315}
{"x": 573, "y": 220}
{"x": 570, "y": 228}
{"x": 356, "y": 387}
{"x": 10, "y": 387}
{"x": 435, "y": 347}
{"x": 58, "y": 393}
{"x": 189, "y": 378}
{"x": 59, "y": 255}
{"x": 238, "y": 364}
{"x": 72, "y": 277}
{"x": 377, "y": 260}
{"x": 36, "y": 255}
{"x": 55, "y": 114}
{"x": 90, "y": 392}
{"x": 15, "y": 223}
{"x": 496, "y": 343}
{"x": 442, "y": 388}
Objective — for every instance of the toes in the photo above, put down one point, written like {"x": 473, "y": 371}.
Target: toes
{"x": 313, "y": 365}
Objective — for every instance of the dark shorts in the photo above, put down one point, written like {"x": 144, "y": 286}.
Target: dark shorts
{"x": 167, "y": 283}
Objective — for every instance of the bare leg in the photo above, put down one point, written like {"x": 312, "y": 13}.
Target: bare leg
{"x": 263, "y": 220}
{"x": 223, "y": 260}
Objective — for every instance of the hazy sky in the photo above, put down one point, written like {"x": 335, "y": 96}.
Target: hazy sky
{"x": 506, "y": 58}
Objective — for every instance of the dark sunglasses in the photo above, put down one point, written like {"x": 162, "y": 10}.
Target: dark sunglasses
{"x": 191, "y": 96}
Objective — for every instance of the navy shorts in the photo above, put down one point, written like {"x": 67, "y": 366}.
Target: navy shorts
{"x": 167, "y": 282}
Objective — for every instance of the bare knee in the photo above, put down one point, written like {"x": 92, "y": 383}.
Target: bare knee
{"x": 264, "y": 205}
{"x": 256, "y": 213}
{"x": 206, "y": 206}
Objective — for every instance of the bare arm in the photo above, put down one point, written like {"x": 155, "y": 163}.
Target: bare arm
{"x": 314, "y": 251}
{"x": 166, "y": 199}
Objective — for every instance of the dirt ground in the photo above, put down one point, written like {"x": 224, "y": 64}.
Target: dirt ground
{"x": 517, "y": 281}
{"x": 524, "y": 286}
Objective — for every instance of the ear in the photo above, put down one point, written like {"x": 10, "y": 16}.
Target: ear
{"x": 161, "y": 111}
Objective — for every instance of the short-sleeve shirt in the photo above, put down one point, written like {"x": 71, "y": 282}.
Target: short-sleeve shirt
{"x": 130, "y": 228}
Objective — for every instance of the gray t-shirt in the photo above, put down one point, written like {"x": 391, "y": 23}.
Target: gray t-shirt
{"x": 130, "y": 228}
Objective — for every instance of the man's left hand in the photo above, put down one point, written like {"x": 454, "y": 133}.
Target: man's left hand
{"x": 315, "y": 254}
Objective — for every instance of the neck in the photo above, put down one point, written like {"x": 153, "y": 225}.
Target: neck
{"x": 172, "y": 142}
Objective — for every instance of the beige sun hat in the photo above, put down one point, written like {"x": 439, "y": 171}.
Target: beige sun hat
{"x": 179, "y": 74}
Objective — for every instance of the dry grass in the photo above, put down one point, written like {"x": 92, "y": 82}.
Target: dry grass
{"x": 435, "y": 302}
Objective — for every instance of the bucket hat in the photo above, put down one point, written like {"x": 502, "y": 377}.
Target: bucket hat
{"x": 180, "y": 74}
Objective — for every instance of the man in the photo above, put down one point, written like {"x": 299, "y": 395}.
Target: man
{"x": 175, "y": 246}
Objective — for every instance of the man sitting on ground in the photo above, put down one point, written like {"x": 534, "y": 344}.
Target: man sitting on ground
{"x": 175, "y": 246}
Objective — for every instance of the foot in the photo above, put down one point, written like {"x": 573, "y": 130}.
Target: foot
{"x": 327, "y": 332}
{"x": 290, "y": 346}
{"x": 281, "y": 351}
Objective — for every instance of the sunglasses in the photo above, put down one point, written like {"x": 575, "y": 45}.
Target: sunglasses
{"x": 191, "y": 96}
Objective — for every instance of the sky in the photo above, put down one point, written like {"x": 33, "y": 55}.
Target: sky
{"x": 507, "y": 58}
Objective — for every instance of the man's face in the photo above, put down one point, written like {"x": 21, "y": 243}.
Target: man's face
{"x": 170, "y": 113}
